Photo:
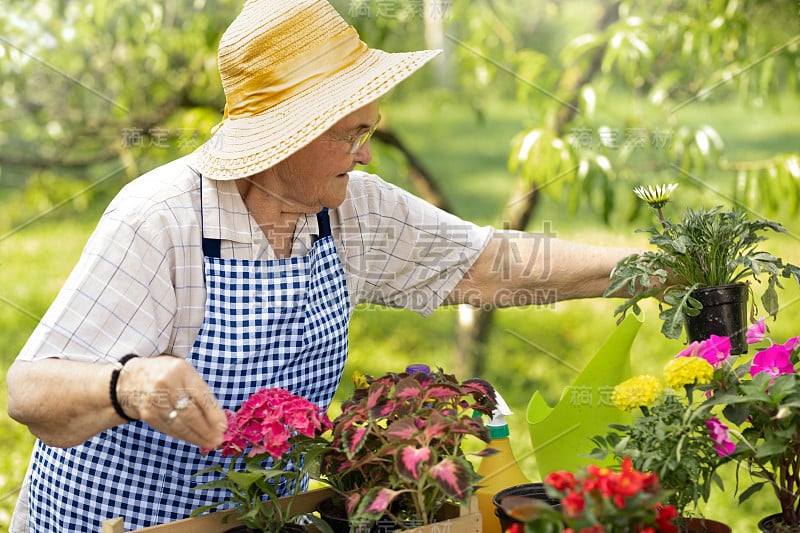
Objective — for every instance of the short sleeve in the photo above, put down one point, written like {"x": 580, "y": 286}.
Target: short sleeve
{"x": 118, "y": 299}
{"x": 399, "y": 250}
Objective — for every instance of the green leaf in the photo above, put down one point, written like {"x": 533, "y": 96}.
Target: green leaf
{"x": 673, "y": 323}
{"x": 243, "y": 480}
{"x": 751, "y": 490}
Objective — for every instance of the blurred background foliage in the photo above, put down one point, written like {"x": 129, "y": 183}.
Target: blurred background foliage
{"x": 540, "y": 115}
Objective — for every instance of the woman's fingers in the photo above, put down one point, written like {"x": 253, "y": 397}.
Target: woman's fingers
{"x": 169, "y": 394}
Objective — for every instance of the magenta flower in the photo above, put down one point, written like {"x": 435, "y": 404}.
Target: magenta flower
{"x": 689, "y": 351}
{"x": 719, "y": 434}
{"x": 756, "y": 332}
{"x": 792, "y": 343}
{"x": 775, "y": 360}
{"x": 716, "y": 350}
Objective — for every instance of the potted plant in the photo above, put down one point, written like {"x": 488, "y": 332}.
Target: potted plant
{"x": 761, "y": 398}
{"x": 273, "y": 439}
{"x": 596, "y": 499}
{"x": 699, "y": 267}
{"x": 677, "y": 435}
{"x": 397, "y": 446}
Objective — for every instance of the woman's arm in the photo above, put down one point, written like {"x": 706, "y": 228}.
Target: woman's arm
{"x": 64, "y": 403}
{"x": 519, "y": 268}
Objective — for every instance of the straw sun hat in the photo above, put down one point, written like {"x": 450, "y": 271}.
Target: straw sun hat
{"x": 291, "y": 69}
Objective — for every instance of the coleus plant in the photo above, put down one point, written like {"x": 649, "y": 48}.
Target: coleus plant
{"x": 397, "y": 445}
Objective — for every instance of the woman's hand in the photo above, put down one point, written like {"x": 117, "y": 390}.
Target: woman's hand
{"x": 169, "y": 394}
{"x": 64, "y": 403}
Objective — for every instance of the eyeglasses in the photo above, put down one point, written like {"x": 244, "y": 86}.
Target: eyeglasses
{"x": 357, "y": 140}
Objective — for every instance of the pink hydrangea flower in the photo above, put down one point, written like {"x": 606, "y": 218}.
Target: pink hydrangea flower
{"x": 756, "y": 332}
{"x": 719, "y": 434}
{"x": 267, "y": 421}
{"x": 775, "y": 360}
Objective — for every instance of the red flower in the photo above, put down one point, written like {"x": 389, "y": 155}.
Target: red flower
{"x": 634, "y": 496}
{"x": 561, "y": 480}
{"x": 666, "y": 514}
{"x": 573, "y": 504}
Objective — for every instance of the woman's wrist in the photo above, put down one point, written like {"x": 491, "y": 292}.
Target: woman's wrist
{"x": 113, "y": 388}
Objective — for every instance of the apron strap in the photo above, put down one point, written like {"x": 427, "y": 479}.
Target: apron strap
{"x": 324, "y": 223}
{"x": 211, "y": 247}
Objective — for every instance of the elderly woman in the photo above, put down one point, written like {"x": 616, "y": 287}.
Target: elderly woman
{"x": 238, "y": 267}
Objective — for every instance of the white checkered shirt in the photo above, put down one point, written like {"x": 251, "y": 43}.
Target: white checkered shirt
{"x": 138, "y": 286}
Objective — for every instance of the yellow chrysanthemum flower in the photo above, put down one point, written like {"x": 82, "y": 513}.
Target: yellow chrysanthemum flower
{"x": 687, "y": 371}
{"x": 638, "y": 391}
{"x": 359, "y": 380}
{"x": 656, "y": 197}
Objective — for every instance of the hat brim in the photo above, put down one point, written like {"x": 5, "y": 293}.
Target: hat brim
{"x": 242, "y": 147}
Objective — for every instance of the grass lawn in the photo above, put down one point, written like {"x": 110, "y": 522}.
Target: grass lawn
{"x": 470, "y": 160}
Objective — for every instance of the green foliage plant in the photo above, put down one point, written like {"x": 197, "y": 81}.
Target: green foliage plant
{"x": 397, "y": 445}
{"x": 706, "y": 248}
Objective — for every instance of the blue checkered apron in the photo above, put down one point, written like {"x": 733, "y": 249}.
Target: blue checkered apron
{"x": 277, "y": 323}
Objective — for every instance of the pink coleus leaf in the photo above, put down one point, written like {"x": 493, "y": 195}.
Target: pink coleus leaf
{"x": 402, "y": 429}
{"x": 377, "y": 392}
{"x": 442, "y": 392}
{"x": 353, "y": 439}
{"x": 375, "y": 503}
{"x": 436, "y": 426}
{"x": 351, "y": 503}
{"x": 478, "y": 387}
{"x": 407, "y": 388}
{"x": 411, "y": 460}
{"x": 383, "y": 409}
{"x": 454, "y": 476}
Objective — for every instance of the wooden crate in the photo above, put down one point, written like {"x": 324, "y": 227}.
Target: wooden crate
{"x": 460, "y": 519}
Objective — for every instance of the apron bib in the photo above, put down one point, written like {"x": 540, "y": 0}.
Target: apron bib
{"x": 277, "y": 323}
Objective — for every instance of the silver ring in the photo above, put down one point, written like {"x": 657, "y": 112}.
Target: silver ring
{"x": 182, "y": 403}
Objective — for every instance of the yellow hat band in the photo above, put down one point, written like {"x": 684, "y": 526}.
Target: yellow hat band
{"x": 295, "y": 75}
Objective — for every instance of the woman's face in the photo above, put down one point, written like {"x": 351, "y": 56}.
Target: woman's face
{"x": 316, "y": 176}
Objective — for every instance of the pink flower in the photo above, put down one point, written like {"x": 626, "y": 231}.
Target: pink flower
{"x": 792, "y": 343}
{"x": 716, "y": 350}
{"x": 689, "y": 351}
{"x": 775, "y": 360}
{"x": 756, "y": 332}
{"x": 719, "y": 434}
{"x": 267, "y": 421}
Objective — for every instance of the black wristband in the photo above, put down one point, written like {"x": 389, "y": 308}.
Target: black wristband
{"x": 112, "y": 388}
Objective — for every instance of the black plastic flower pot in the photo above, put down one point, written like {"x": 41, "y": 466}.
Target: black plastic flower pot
{"x": 535, "y": 491}
{"x": 287, "y": 528}
{"x": 768, "y": 523}
{"x": 774, "y": 524}
{"x": 332, "y": 511}
{"x": 724, "y": 313}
